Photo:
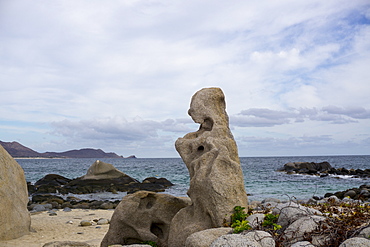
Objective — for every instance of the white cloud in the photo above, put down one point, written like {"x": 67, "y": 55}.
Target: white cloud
{"x": 66, "y": 62}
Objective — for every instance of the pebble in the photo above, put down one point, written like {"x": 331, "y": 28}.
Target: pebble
{"x": 103, "y": 221}
{"x": 85, "y": 223}
{"x": 67, "y": 209}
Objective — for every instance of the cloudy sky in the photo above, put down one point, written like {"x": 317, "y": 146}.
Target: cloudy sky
{"x": 119, "y": 75}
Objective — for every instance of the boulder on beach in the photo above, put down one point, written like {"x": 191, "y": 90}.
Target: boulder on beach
{"x": 15, "y": 220}
{"x": 216, "y": 178}
{"x": 143, "y": 216}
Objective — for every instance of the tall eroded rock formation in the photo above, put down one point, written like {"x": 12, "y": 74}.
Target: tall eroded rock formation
{"x": 216, "y": 178}
{"x": 15, "y": 220}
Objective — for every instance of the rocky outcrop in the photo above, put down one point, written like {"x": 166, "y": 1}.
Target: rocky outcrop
{"x": 102, "y": 170}
{"x": 322, "y": 169}
{"x": 361, "y": 193}
{"x": 100, "y": 177}
{"x": 211, "y": 156}
{"x": 15, "y": 219}
{"x": 143, "y": 216}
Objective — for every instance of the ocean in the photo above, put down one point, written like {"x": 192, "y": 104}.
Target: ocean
{"x": 260, "y": 174}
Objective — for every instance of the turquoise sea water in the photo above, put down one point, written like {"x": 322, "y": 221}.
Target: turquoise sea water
{"x": 260, "y": 176}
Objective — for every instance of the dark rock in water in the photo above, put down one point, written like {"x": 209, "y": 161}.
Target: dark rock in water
{"x": 100, "y": 177}
{"x": 322, "y": 169}
{"x": 161, "y": 181}
{"x": 362, "y": 193}
{"x": 51, "y": 183}
{"x": 307, "y": 167}
{"x": 86, "y": 186}
{"x": 47, "y": 198}
{"x": 53, "y": 180}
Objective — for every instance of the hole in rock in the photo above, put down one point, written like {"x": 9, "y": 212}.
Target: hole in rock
{"x": 156, "y": 229}
{"x": 200, "y": 148}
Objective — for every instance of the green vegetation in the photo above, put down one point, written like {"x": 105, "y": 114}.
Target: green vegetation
{"x": 270, "y": 222}
{"x": 240, "y": 226}
{"x": 238, "y": 220}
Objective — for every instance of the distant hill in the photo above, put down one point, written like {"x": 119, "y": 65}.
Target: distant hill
{"x": 17, "y": 150}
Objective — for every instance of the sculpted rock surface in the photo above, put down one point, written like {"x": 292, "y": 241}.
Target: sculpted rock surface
{"x": 216, "y": 178}
{"x": 15, "y": 220}
{"x": 143, "y": 216}
{"x": 102, "y": 170}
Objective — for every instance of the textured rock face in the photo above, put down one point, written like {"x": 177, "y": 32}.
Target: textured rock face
{"x": 216, "y": 178}
{"x": 15, "y": 220}
{"x": 143, "y": 216}
{"x": 206, "y": 237}
{"x": 102, "y": 170}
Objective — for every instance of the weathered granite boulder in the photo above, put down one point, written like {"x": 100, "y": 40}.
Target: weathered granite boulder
{"x": 290, "y": 212}
{"x": 66, "y": 244}
{"x": 15, "y": 220}
{"x": 365, "y": 233}
{"x": 143, "y": 216}
{"x": 304, "y": 225}
{"x": 263, "y": 238}
{"x": 233, "y": 240}
{"x": 206, "y": 237}
{"x": 216, "y": 178}
{"x": 255, "y": 220}
{"x": 102, "y": 170}
{"x": 302, "y": 244}
{"x": 356, "y": 242}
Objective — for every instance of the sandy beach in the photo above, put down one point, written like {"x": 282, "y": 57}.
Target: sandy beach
{"x": 65, "y": 226}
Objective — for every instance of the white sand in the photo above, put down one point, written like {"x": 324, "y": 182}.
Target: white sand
{"x": 55, "y": 228}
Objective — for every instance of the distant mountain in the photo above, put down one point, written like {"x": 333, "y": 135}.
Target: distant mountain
{"x": 17, "y": 150}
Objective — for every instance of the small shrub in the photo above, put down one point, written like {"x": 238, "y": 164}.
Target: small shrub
{"x": 238, "y": 214}
{"x": 270, "y": 222}
{"x": 240, "y": 226}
